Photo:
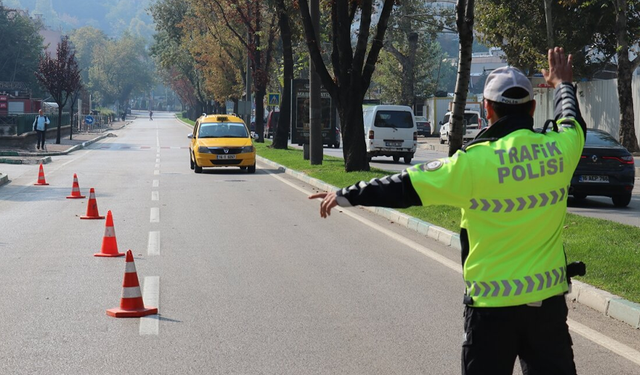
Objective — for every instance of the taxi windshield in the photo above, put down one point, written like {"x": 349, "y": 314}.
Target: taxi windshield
{"x": 222, "y": 130}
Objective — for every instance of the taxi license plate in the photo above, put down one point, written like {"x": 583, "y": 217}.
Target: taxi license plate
{"x": 598, "y": 179}
{"x": 226, "y": 156}
{"x": 393, "y": 144}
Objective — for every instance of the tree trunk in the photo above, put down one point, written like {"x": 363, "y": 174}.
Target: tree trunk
{"x": 281, "y": 133}
{"x": 352, "y": 69}
{"x": 549, "y": 20}
{"x": 408, "y": 71}
{"x": 464, "y": 20}
{"x": 59, "y": 124}
{"x": 261, "y": 92}
{"x": 354, "y": 149}
{"x": 260, "y": 84}
{"x": 625, "y": 99}
{"x": 71, "y": 120}
{"x": 625, "y": 75}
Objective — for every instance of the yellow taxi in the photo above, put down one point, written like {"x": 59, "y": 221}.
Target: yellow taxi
{"x": 221, "y": 141}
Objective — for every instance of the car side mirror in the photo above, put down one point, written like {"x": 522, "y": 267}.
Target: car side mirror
{"x": 190, "y": 135}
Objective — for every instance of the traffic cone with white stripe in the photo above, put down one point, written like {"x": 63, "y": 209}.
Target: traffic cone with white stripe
{"x": 75, "y": 190}
{"x": 92, "y": 207}
{"x": 109, "y": 243}
{"x": 41, "y": 179}
{"x": 131, "y": 304}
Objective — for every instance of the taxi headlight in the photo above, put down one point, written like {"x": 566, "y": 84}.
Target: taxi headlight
{"x": 246, "y": 149}
{"x": 203, "y": 150}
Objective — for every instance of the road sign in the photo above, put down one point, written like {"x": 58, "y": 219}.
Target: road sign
{"x": 274, "y": 99}
{"x": 88, "y": 120}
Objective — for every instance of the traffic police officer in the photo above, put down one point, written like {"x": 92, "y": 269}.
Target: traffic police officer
{"x": 511, "y": 184}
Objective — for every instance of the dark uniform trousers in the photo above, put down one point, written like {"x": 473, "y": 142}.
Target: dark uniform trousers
{"x": 538, "y": 336}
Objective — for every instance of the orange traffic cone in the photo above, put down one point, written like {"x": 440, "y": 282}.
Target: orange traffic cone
{"x": 75, "y": 190}
{"x": 92, "y": 207}
{"x": 109, "y": 243}
{"x": 41, "y": 179}
{"x": 131, "y": 304}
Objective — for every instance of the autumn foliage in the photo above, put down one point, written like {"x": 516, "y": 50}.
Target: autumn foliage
{"x": 60, "y": 76}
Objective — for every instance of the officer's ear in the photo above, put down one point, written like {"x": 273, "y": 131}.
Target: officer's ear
{"x": 533, "y": 108}
{"x": 491, "y": 114}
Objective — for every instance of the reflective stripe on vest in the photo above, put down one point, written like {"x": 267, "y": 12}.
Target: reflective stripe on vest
{"x": 519, "y": 203}
{"x": 516, "y": 287}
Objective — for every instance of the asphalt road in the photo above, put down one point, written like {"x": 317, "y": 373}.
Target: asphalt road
{"x": 247, "y": 277}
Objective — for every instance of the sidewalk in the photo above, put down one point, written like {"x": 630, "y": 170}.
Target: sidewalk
{"x": 66, "y": 145}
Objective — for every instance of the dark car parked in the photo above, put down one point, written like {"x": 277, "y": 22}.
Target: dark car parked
{"x": 606, "y": 168}
{"x": 423, "y": 125}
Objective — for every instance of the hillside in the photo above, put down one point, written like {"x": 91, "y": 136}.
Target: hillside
{"x": 112, "y": 16}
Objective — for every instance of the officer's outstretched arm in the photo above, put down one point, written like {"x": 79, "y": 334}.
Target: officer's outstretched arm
{"x": 394, "y": 191}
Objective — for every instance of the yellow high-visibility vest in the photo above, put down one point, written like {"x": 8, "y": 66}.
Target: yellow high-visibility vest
{"x": 513, "y": 195}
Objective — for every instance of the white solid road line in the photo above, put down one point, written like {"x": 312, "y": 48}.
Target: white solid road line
{"x": 605, "y": 341}
{"x": 150, "y": 324}
{"x": 592, "y": 335}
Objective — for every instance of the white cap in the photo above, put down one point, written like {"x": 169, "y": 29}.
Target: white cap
{"x": 503, "y": 79}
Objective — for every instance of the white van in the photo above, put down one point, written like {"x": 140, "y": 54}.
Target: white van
{"x": 390, "y": 130}
{"x": 472, "y": 122}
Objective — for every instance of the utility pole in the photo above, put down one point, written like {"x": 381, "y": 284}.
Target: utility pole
{"x": 315, "y": 105}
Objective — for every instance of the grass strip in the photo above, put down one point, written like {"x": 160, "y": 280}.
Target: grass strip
{"x": 185, "y": 119}
{"x": 610, "y": 250}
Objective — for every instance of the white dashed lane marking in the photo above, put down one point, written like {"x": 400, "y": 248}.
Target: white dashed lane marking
{"x": 154, "y": 216}
{"x": 150, "y": 325}
{"x": 153, "y": 247}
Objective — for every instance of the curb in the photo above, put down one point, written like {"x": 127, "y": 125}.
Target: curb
{"x": 3, "y": 179}
{"x": 609, "y": 304}
{"x": 44, "y": 160}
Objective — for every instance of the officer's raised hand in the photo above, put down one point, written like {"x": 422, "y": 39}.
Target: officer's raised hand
{"x": 560, "y": 67}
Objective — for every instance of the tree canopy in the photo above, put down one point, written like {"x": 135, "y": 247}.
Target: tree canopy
{"x": 120, "y": 68}
{"x": 21, "y": 47}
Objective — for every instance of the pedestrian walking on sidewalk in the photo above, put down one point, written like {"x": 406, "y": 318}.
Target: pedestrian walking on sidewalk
{"x": 40, "y": 127}
{"x": 511, "y": 184}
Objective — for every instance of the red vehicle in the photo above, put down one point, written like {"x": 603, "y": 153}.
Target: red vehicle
{"x": 270, "y": 125}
